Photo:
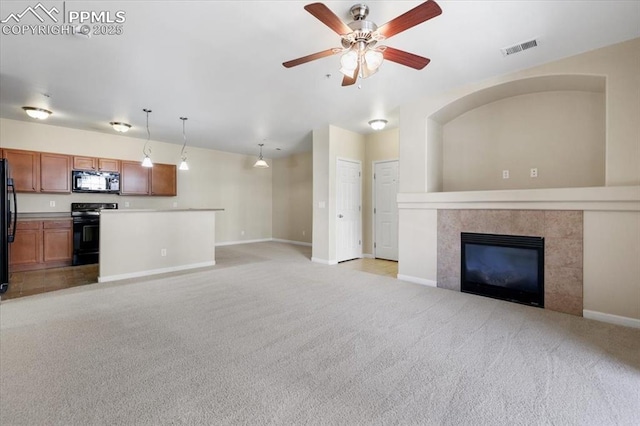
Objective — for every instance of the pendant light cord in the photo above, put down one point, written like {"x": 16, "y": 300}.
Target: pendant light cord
{"x": 184, "y": 137}
{"x": 146, "y": 150}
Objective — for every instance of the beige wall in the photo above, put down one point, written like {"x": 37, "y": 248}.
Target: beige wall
{"x": 215, "y": 180}
{"x": 419, "y": 173}
{"x": 379, "y": 146}
{"x": 617, "y": 63}
{"x": 293, "y": 197}
{"x": 612, "y": 263}
{"x": 123, "y": 254}
{"x": 561, "y": 133}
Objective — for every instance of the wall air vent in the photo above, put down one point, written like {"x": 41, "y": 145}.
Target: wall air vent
{"x": 506, "y": 51}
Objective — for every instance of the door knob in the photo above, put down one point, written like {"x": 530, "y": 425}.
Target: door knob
{"x": 340, "y": 216}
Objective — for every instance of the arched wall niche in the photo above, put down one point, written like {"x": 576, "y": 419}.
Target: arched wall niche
{"x": 554, "y": 123}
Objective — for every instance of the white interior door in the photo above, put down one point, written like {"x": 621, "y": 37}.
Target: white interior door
{"x": 348, "y": 210}
{"x": 385, "y": 210}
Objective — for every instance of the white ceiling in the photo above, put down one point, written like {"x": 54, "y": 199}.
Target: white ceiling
{"x": 219, "y": 63}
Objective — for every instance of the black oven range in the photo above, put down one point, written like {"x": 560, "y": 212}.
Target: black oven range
{"x": 86, "y": 231}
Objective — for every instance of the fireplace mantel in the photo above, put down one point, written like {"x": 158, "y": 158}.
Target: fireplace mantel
{"x": 605, "y": 198}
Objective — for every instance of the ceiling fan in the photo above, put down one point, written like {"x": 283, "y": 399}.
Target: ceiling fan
{"x": 362, "y": 56}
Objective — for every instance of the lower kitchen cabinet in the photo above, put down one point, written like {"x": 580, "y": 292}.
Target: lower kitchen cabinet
{"x": 41, "y": 245}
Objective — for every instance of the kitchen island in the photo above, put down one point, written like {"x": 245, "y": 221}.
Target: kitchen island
{"x": 136, "y": 243}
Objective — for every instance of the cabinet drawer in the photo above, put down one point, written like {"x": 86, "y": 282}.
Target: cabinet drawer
{"x": 56, "y": 224}
{"x": 28, "y": 224}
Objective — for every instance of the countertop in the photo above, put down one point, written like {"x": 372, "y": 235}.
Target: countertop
{"x": 110, "y": 211}
{"x": 43, "y": 216}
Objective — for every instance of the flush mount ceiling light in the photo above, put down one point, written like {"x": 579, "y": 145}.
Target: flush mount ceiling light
{"x": 261, "y": 164}
{"x": 38, "y": 113}
{"x": 146, "y": 149}
{"x": 119, "y": 126}
{"x": 378, "y": 124}
{"x": 183, "y": 153}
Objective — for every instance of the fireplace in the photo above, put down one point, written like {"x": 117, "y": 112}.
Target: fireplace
{"x": 507, "y": 267}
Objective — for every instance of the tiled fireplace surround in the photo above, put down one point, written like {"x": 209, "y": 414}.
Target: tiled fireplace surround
{"x": 563, "y": 234}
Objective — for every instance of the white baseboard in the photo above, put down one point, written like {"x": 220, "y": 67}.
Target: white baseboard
{"x": 104, "y": 279}
{"x": 324, "y": 261}
{"x": 298, "y": 243}
{"x": 416, "y": 280}
{"x": 368, "y": 256}
{"x": 611, "y": 319}
{"x": 233, "y": 243}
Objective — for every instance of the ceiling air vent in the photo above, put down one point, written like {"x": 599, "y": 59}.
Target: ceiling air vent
{"x": 506, "y": 51}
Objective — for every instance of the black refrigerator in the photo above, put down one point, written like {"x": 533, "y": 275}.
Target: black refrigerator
{"x": 8, "y": 214}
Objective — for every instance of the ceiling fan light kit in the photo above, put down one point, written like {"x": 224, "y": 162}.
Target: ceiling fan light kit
{"x": 37, "y": 113}
{"x": 362, "y": 57}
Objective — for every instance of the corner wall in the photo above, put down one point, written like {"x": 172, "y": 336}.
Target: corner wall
{"x": 293, "y": 197}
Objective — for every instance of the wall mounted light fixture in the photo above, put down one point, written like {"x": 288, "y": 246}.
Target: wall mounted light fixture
{"x": 38, "y": 113}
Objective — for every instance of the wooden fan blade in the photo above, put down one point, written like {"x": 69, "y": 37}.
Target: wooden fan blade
{"x": 349, "y": 81}
{"x": 405, "y": 58}
{"x": 327, "y": 17}
{"x": 415, "y": 16}
{"x": 312, "y": 57}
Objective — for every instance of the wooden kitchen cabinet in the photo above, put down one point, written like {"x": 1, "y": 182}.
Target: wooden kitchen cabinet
{"x": 25, "y": 169}
{"x": 57, "y": 241}
{"x": 163, "y": 180}
{"x": 134, "y": 179}
{"x": 26, "y": 250}
{"x": 98, "y": 164}
{"x": 159, "y": 180}
{"x": 39, "y": 171}
{"x": 41, "y": 245}
{"x": 55, "y": 173}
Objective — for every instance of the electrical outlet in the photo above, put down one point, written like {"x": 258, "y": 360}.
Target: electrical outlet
{"x": 304, "y": 233}
{"x": 175, "y": 204}
{"x": 534, "y": 173}
{"x": 127, "y": 204}
{"x": 505, "y": 174}
{"x": 163, "y": 252}
{"x": 241, "y": 233}
{"x": 52, "y": 203}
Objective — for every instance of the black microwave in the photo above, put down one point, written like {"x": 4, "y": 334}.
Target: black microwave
{"x": 92, "y": 181}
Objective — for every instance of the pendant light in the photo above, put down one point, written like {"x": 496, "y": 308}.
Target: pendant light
{"x": 183, "y": 153}
{"x": 261, "y": 164}
{"x": 146, "y": 150}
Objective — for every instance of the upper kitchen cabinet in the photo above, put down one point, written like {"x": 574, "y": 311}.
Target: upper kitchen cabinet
{"x": 55, "y": 173}
{"x": 98, "y": 164}
{"x": 163, "y": 180}
{"x": 39, "y": 171}
{"x": 25, "y": 169}
{"x": 134, "y": 179}
{"x": 159, "y": 180}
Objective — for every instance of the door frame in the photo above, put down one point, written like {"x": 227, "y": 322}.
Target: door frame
{"x": 373, "y": 198}
{"x": 335, "y": 212}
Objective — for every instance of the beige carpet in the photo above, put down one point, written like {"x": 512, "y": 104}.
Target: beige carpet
{"x": 267, "y": 337}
